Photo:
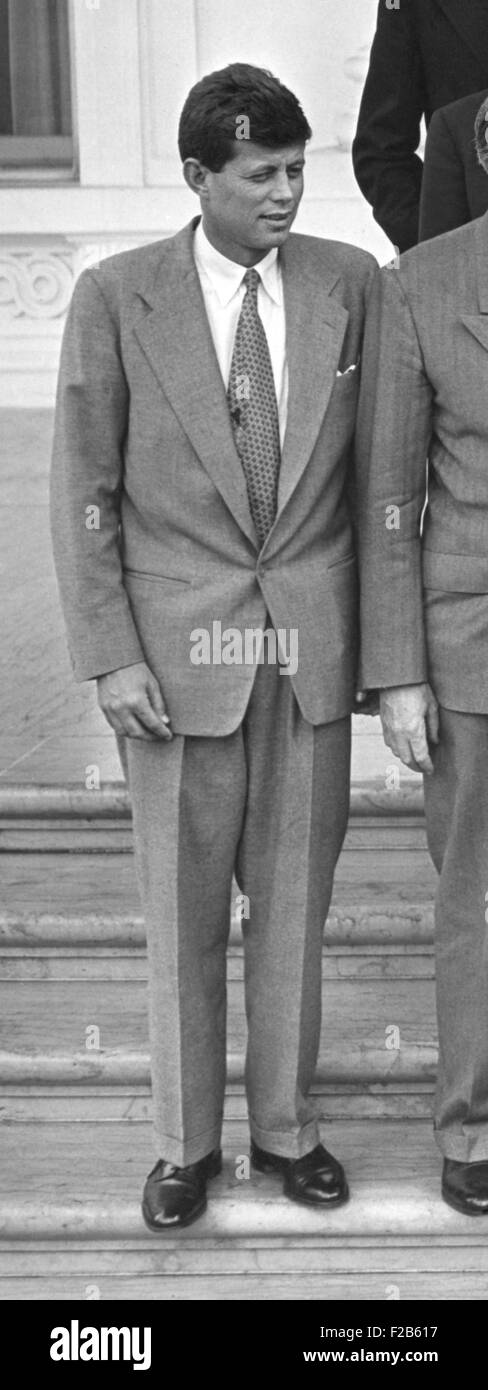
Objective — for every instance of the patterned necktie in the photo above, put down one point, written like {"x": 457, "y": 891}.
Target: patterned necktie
{"x": 254, "y": 410}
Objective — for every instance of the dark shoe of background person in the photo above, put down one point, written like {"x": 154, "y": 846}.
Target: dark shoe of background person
{"x": 465, "y": 1186}
{"x": 177, "y": 1196}
{"x": 316, "y": 1180}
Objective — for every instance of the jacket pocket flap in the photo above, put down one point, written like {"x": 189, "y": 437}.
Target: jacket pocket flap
{"x": 455, "y": 573}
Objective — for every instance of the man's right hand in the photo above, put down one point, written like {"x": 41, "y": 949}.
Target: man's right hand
{"x": 410, "y": 720}
{"x": 132, "y": 702}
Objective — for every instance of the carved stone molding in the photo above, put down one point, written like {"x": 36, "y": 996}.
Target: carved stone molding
{"x": 35, "y": 284}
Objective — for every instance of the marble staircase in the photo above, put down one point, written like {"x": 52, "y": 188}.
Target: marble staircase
{"x": 75, "y": 1107}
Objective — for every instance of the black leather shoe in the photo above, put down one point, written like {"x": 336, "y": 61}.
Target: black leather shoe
{"x": 465, "y": 1186}
{"x": 316, "y": 1180}
{"x": 177, "y": 1196}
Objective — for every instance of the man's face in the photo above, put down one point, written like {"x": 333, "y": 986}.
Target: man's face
{"x": 250, "y": 205}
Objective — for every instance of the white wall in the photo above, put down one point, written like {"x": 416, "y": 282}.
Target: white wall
{"x": 133, "y": 63}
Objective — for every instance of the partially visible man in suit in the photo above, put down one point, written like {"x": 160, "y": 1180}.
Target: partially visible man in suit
{"x": 425, "y": 54}
{"x": 454, "y": 184}
{"x": 206, "y": 408}
{"x": 424, "y": 612}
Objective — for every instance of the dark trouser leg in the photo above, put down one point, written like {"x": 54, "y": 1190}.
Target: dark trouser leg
{"x": 456, "y": 802}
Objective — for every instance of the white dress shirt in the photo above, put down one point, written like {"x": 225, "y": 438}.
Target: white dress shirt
{"x": 223, "y": 293}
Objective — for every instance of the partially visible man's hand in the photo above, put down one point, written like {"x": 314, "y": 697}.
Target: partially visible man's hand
{"x": 410, "y": 720}
{"x": 131, "y": 701}
{"x": 366, "y": 702}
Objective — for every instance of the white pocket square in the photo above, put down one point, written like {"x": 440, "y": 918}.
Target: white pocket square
{"x": 352, "y": 368}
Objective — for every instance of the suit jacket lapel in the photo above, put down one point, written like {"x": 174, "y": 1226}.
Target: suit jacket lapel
{"x": 480, "y": 228}
{"x": 470, "y": 18}
{"x": 315, "y": 328}
{"x": 176, "y": 339}
{"x": 477, "y": 324}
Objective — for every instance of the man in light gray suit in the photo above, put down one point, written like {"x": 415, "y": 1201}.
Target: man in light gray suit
{"x": 206, "y": 408}
{"x": 424, "y": 609}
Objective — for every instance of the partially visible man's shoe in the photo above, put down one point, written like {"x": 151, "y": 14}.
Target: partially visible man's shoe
{"x": 177, "y": 1196}
{"x": 316, "y": 1180}
{"x": 465, "y": 1186}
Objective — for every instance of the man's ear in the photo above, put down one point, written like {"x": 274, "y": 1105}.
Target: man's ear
{"x": 196, "y": 175}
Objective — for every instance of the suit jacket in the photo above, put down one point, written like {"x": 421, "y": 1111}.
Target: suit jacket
{"x": 425, "y": 54}
{"x": 424, "y": 588}
{"x": 143, "y": 433}
{"x": 454, "y": 185}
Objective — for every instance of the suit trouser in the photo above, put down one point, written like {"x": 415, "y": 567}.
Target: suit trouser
{"x": 456, "y": 803}
{"x": 270, "y": 803}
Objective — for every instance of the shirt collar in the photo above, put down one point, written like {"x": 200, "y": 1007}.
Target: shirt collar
{"x": 226, "y": 276}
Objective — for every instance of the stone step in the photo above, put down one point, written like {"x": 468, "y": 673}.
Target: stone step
{"x": 382, "y": 869}
{"x": 74, "y": 1011}
{"x": 89, "y": 1101}
{"x": 70, "y": 1222}
{"x": 37, "y": 1275}
{"x": 73, "y": 801}
{"x": 59, "y": 1034}
{"x": 414, "y": 1062}
{"x": 72, "y": 961}
{"x": 67, "y": 970}
{"x": 72, "y": 818}
{"x": 396, "y": 927}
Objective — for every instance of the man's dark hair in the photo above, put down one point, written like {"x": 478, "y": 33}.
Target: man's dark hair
{"x": 212, "y": 117}
{"x": 481, "y": 135}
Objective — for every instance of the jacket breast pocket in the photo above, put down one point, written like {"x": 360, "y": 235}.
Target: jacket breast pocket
{"x": 345, "y": 388}
{"x": 349, "y": 373}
